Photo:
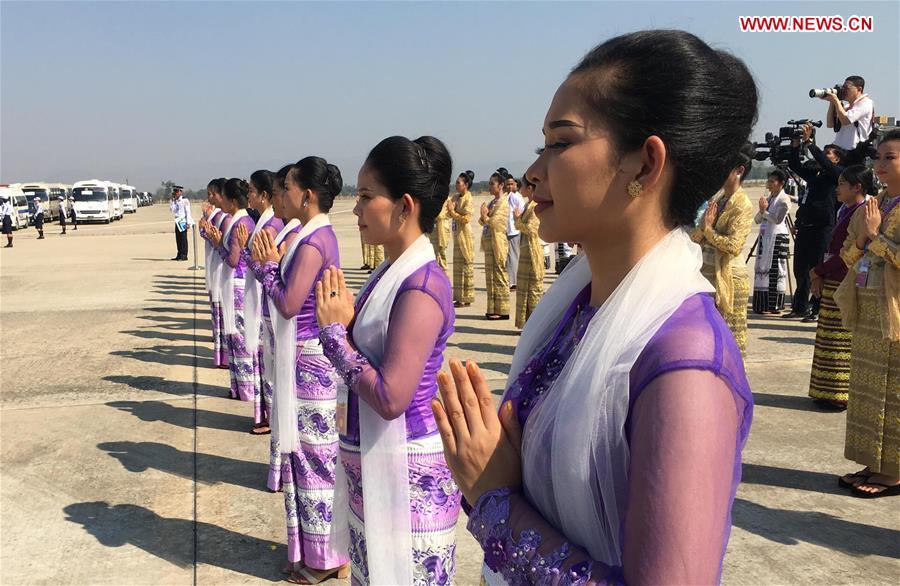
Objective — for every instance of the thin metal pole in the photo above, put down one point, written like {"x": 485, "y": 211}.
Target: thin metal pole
{"x": 196, "y": 266}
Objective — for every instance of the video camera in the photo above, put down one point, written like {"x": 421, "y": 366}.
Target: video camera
{"x": 777, "y": 148}
{"x": 837, "y": 90}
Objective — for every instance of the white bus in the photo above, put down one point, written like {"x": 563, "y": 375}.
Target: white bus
{"x": 19, "y": 203}
{"x": 129, "y": 198}
{"x": 48, "y": 193}
{"x": 114, "y": 197}
{"x": 93, "y": 202}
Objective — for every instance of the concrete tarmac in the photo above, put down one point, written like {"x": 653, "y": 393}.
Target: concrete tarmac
{"x": 122, "y": 462}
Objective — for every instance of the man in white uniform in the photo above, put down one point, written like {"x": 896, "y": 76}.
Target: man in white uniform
{"x": 181, "y": 210}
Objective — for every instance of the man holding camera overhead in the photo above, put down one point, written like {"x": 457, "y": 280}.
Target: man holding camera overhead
{"x": 853, "y": 123}
{"x": 815, "y": 216}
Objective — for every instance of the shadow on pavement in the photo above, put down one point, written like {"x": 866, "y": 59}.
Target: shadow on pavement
{"x": 150, "y": 334}
{"x": 786, "y": 402}
{"x": 484, "y": 347}
{"x": 211, "y": 469}
{"x": 790, "y": 340}
{"x": 792, "y": 527}
{"x": 174, "y": 323}
{"x": 183, "y": 416}
{"x": 484, "y": 331}
{"x": 183, "y": 355}
{"x": 790, "y": 478}
{"x": 162, "y": 385}
{"x": 171, "y": 539}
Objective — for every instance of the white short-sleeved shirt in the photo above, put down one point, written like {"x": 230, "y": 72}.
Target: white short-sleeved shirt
{"x": 861, "y": 115}
{"x": 516, "y": 202}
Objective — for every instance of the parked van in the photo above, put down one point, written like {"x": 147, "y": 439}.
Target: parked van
{"x": 92, "y": 201}
{"x": 113, "y": 188}
{"x": 19, "y": 203}
{"x": 48, "y": 193}
{"x": 129, "y": 198}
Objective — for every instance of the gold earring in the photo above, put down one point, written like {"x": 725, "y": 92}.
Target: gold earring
{"x": 635, "y": 188}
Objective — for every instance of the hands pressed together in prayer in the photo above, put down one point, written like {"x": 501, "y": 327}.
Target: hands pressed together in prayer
{"x": 264, "y": 249}
{"x": 485, "y": 212}
{"x": 215, "y": 235}
{"x": 871, "y": 224}
{"x": 482, "y": 448}
{"x": 763, "y": 203}
{"x": 242, "y": 235}
{"x": 334, "y": 301}
{"x": 709, "y": 216}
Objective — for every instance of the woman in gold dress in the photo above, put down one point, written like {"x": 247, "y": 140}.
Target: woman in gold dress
{"x": 495, "y": 219}
{"x": 869, "y": 300}
{"x": 460, "y": 208}
{"x": 439, "y": 237}
{"x": 722, "y": 233}
{"x": 531, "y": 258}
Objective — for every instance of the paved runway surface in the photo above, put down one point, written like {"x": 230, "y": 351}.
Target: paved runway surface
{"x": 123, "y": 463}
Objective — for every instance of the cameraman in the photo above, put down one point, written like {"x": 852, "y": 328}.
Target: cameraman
{"x": 815, "y": 216}
{"x": 854, "y": 123}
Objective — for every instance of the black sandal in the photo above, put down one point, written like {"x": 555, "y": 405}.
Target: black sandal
{"x": 865, "y": 473}
{"x": 889, "y": 490}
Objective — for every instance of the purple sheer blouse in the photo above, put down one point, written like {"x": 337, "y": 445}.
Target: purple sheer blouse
{"x": 690, "y": 409}
{"x": 258, "y": 269}
{"x": 421, "y": 322}
{"x": 295, "y": 295}
{"x": 230, "y": 250}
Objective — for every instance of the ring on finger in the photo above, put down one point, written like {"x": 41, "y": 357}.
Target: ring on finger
{"x": 333, "y": 294}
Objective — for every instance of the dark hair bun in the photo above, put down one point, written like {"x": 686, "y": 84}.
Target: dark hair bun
{"x": 318, "y": 175}
{"x": 422, "y": 168}
{"x": 700, "y": 101}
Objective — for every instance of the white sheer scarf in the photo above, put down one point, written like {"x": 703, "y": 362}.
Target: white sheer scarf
{"x": 284, "y": 399}
{"x": 268, "y": 353}
{"x": 226, "y": 279}
{"x": 213, "y": 261}
{"x": 575, "y": 460}
{"x": 253, "y": 292}
{"x": 385, "y": 469}
{"x": 208, "y": 247}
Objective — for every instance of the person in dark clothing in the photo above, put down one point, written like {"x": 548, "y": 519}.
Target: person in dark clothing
{"x": 815, "y": 217}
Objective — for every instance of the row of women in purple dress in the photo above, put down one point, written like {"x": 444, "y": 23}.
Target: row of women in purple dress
{"x": 390, "y": 371}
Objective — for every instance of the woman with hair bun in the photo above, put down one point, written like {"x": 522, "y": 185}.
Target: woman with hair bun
{"x": 617, "y": 452}
{"x": 531, "y": 257}
{"x": 243, "y": 365}
{"x": 769, "y": 285}
{"x": 388, "y": 346}
{"x": 303, "y": 420}
{"x": 830, "y": 375}
{"x": 290, "y": 226}
{"x": 460, "y": 208}
{"x": 259, "y": 198}
{"x": 495, "y": 220}
{"x": 869, "y": 301}
{"x": 213, "y": 216}
{"x": 722, "y": 233}
{"x": 439, "y": 237}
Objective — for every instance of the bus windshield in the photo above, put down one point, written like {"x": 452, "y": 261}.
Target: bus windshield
{"x": 88, "y": 194}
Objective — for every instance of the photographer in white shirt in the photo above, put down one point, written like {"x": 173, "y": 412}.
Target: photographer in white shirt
{"x": 852, "y": 124}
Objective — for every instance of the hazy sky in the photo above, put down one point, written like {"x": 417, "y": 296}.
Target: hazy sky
{"x": 188, "y": 91}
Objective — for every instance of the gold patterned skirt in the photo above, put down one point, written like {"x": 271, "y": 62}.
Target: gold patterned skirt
{"x": 830, "y": 376}
{"x": 873, "y": 410}
{"x": 737, "y": 317}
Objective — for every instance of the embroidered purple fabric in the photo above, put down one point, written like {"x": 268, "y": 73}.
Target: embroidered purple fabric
{"x": 230, "y": 251}
{"x": 259, "y": 269}
{"x": 421, "y": 322}
{"x": 690, "y": 394}
{"x": 295, "y": 295}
